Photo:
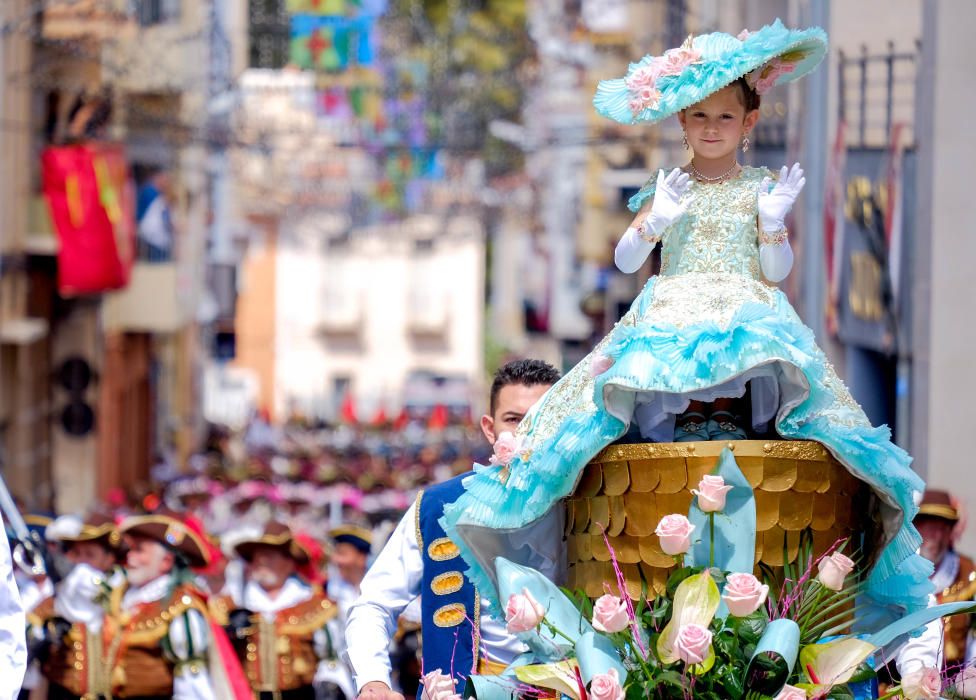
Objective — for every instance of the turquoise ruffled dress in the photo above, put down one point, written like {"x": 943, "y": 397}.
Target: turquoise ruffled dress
{"x": 703, "y": 328}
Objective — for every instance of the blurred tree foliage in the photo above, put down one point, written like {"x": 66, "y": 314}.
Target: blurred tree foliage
{"x": 474, "y": 52}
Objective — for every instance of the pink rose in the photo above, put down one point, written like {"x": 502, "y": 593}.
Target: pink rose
{"x": 610, "y": 614}
{"x": 437, "y": 686}
{"x": 711, "y": 493}
{"x": 523, "y": 612}
{"x": 506, "y": 447}
{"x": 599, "y": 364}
{"x": 674, "y": 61}
{"x": 922, "y": 684}
{"x": 675, "y": 533}
{"x": 965, "y": 682}
{"x": 764, "y": 78}
{"x": 606, "y": 686}
{"x": 833, "y": 570}
{"x": 743, "y": 594}
{"x": 644, "y": 77}
{"x": 692, "y": 643}
{"x": 790, "y": 692}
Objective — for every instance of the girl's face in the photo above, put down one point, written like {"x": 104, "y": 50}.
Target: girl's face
{"x": 716, "y": 125}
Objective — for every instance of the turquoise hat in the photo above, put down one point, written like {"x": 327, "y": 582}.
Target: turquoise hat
{"x": 658, "y": 86}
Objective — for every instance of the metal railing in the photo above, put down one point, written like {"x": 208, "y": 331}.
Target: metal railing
{"x": 875, "y": 91}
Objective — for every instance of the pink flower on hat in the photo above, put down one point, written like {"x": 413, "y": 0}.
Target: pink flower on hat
{"x": 674, "y": 61}
{"x": 764, "y": 78}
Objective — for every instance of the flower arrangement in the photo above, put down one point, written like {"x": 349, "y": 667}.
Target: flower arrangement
{"x": 715, "y": 632}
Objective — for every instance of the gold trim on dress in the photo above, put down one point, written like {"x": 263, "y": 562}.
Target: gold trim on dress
{"x": 450, "y": 615}
{"x": 447, "y": 583}
{"x": 442, "y": 549}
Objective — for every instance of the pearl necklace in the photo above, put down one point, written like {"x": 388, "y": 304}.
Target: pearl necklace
{"x": 705, "y": 178}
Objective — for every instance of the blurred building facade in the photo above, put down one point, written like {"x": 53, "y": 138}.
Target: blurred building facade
{"x": 341, "y": 317}
{"x": 105, "y": 376}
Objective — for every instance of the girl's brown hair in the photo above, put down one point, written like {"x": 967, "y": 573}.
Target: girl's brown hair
{"x": 748, "y": 97}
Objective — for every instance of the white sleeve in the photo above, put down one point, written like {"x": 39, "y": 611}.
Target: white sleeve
{"x": 776, "y": 261}
{"x": 391, "y": 583}
{"x": 631, "y": 251}
{"x": 192, "y": 682}
{"x": 189, "y": 641}
{"x": 924, "y": 650}
{"x": 13, "y": 627}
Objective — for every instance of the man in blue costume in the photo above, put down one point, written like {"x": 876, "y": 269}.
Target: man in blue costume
{"x": 419, "y": 560}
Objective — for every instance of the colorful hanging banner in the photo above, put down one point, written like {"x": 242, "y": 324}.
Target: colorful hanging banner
{"x": 92, "y": 204}
{"x": 331, "y": 43}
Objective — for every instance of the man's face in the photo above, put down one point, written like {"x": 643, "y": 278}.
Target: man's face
{"x": 936, "y": 537}
{"x": 270, "y": 567}
{"x": 350, "y": 561}
{"x": 511, "y": 405}
{"x": 91, "y": 553}
{"x": 146, "y": 560}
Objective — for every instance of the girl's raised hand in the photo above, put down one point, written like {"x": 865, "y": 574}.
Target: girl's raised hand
{"x": 668, "y": 207}
{"x": 775, "y": 204}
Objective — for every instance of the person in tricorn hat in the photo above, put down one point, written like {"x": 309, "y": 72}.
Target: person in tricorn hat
{"x": 348, "y": 562}
{"x": 156, "y": 636}
{"x": 279, "y": 623}
{"x": 938, "y": 521}
{"x": 69, "y": 620}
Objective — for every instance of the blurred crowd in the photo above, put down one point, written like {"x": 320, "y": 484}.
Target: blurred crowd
{"x": 276, "y": 515}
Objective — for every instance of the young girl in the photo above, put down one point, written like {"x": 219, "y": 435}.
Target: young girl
{"x": 707, "y": 328}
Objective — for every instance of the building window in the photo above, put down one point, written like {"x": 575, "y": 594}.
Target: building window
{"x": 269, "y": 33}
{"x": 150, "y": 12}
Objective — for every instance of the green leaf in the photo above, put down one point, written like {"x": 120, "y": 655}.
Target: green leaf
{"x": 749, "y": 629}
{"x": 678, "y": 576}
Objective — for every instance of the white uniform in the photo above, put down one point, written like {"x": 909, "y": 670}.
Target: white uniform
{"x": 394, "y": 580}
{"x": 294, "y": 591}
{"x": 13, "y": 627}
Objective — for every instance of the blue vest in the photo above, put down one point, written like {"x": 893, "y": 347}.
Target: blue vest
{"x": 450, "y": 604}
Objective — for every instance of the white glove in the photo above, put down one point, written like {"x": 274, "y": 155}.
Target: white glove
{"x": 776, "y": 204}
{"x": 667, "y": 207}
{"x": 638, "y": 242}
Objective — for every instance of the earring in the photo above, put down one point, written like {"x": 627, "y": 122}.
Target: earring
{"x": 684, "y": 140}
{"x": 745, "y": 144}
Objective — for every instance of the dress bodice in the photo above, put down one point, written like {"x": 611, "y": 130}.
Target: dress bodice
{"x": 719, "y": 231}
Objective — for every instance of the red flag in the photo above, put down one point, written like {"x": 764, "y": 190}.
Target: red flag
{"x": 92, "y": 205}
{"x": 402, "y": 420}
{"x": 348, "y": 410}
{"x": 380, "y": 417}
{"x": 438, "y": 418}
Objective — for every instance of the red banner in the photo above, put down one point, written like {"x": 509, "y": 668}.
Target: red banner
{"x": 92, "y": 202}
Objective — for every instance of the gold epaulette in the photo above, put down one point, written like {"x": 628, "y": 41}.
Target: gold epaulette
{"x": 307, "y": 617}
{"x": 153, "y": 626}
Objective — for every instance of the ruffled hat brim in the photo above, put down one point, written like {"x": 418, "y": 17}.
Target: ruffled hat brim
{"x": 711, "y": 62}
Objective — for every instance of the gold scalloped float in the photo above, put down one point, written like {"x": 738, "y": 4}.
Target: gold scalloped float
{"x": 627, "y": 489}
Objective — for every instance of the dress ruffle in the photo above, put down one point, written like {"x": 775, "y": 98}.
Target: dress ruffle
{"x": 651, "y": 357}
